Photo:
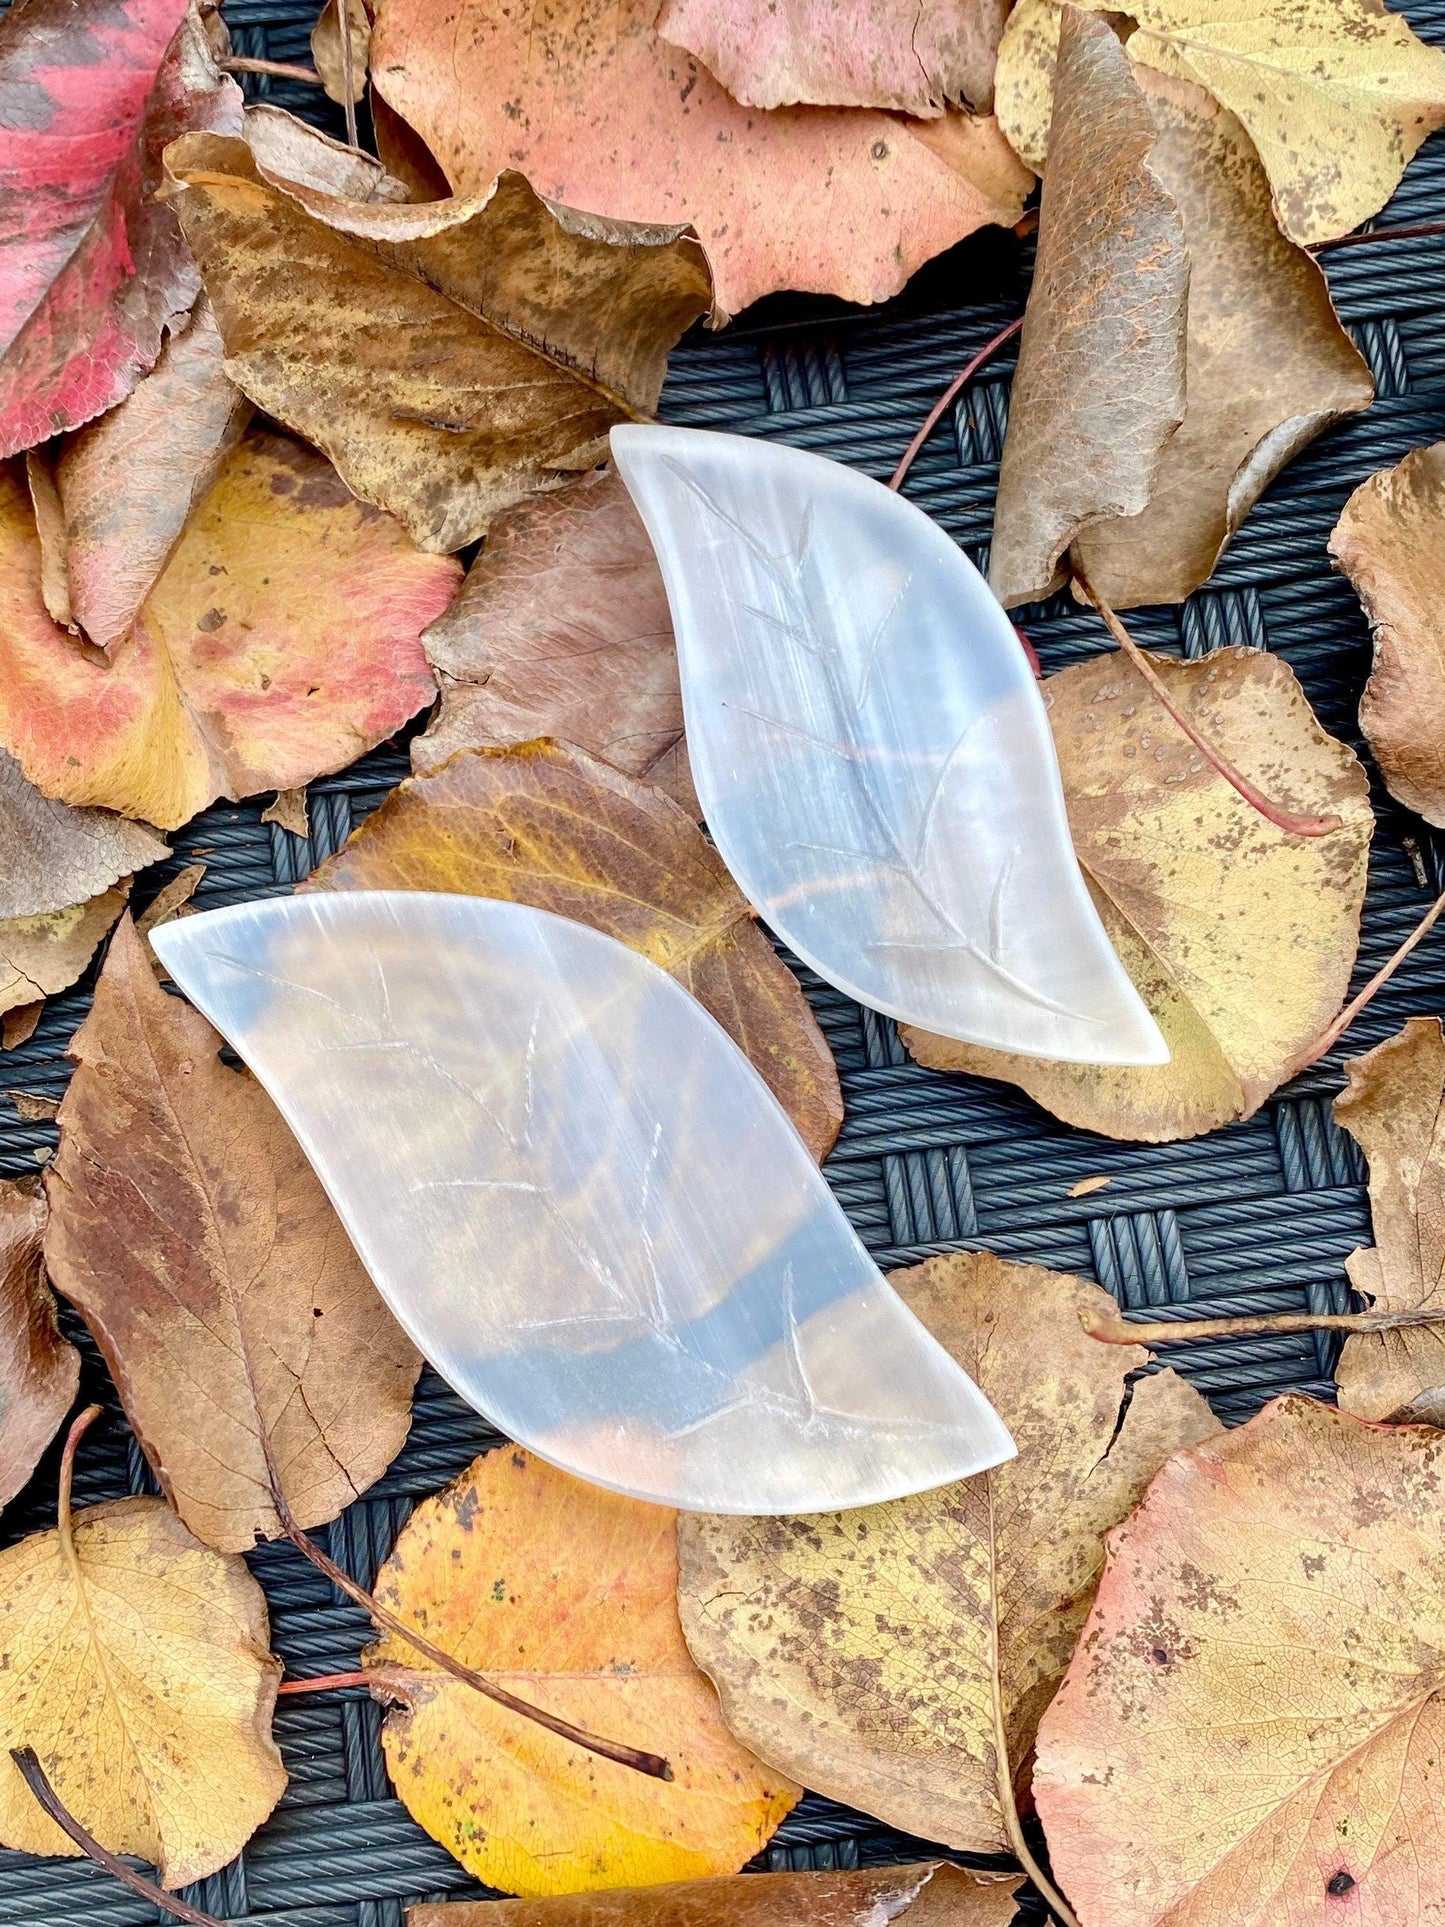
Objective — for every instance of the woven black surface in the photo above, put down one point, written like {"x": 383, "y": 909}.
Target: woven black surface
{"x": 1257, "y": 1217}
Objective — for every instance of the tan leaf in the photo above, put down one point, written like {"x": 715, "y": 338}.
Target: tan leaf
{"x": 1239, "y": 935}
{"x": 548, "y": 825}
{"x": 50, "y": 528}
{"x": 898, "y": 1656}
{"x": 931, "y": 1894}
{"x": 1267, "y": 364}
{"x": 489, "y": 1570}
{"x": 291, "y": 150}
{"x": 912, "y": 57}
{"x": 1393, "y": 1105}
{"x": 44, "y": 954}
{"x": 328, "y": 53}
{"x": 170, "y": 901}
{"x": 191, "y": 1233}
{"x": 562, "y": 629}
{"x": 1024, "y": 78}
{"x": 135, "y": 1662}
{"x": 543, "y": 328}
{"x": 1390, "y": 541}
{"x": 53, "y": 856}
{"x": 1250, "y": 1731}
{"x": 33, "y": 1108}
{"x": 1100, "y": 382}
{"x": 39, "y": 1370}
{"x": 289, "y": 809}
{"x": 405, "y": 154}
{"x": 17, "y": 1025}
{"x": 601, "y": 113}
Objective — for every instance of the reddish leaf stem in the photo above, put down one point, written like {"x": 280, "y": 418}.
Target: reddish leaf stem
{"x": 282, "y": 69}
{"x": 28, "y": 1765}
{"x": 959, "y": 382}
{"x": 1289, "y": 820}
{"x": 1111, "y": 1328}
{"x": 1417, "y": 231}
{"x": 324, "y": 1683}
{"x": 1332, "y": 1033}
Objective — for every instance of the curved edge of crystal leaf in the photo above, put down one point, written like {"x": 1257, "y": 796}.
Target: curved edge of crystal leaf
{"x": 872, "y": 752}
{"x": 582, "y": 1202}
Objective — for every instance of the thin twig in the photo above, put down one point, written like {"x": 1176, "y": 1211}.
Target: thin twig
{"x": 348, "y": 81}
{"x": 1332, "y": 1033}
{"x": 282, "y": 69}
{"x": 324, "y": 1683}
{"x": 960, "y": 381}
{"x": 1290, "y": 820}
{"x": 1110, "y": 1328}
{"x": 1418, "y": 231}
{"x": 33, "y": 1773}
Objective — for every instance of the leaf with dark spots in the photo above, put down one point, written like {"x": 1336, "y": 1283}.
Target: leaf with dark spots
{"x": 39, "y": 1371}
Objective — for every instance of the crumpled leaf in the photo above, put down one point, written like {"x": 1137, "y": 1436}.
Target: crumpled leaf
{"x": 44, "y": 954}
{"x": 1390, "y": 542}
{"x": 1100, "y": 386}
{"x": 863, "y": 1650}
{"x": 601, "y": 113}
{"x": 39, "y": 1370}
{"x": 914, "y": 56}
{"x": 327, "y": 50}
{"x": 548, "y": 825}
{"x": 1240, "y": 936}
{"x": 1250, "y": 1730}
{"x": 291, "y": 150}
{"x": 135, "y": 1662}
{"x": 543, "y": 328}
{"x": 92, "y": 267}
{"x": 1267, "y": 364}
{"x": 191, "y": 1233}
{"x": 490, "y": 1571}
{"x": 52, "y": 856}
{"x": 933, "y": 1892}
{"x": 289, "y": 809}
{"x": 1392, "y": 1106}
{"x": 280, "y": 642}
{"x": 563, "y": 629}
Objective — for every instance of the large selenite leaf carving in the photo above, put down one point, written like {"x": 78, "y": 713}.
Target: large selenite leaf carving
{"x": 871, "y": 750}
{"x": 582, "y": 1201}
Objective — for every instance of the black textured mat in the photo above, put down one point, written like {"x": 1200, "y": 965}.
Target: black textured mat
{"x": 1257, "y": 1217}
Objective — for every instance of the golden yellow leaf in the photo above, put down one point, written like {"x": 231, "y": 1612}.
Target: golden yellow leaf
{"x": 1393, "y": 1105}
{"x": 1024, "y": 79}
{"x": 899, "y": 1656}
{"x": 135, "y": 1661}
{"x": 565, "y": 1594}
{"x": 1239, "y": 935}
{"x": 1250, "y": 1732}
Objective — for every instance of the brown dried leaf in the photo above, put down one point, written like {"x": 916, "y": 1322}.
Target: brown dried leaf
{"x": 1250, "y": 1731}
{"x": 874, "y": 1653}
{"x": 543, "y": 327}
{"x": 50, "y": 530}
{"x": 548, "y": 825}
{"x": 53, "y": 855}
{"x": 1238, "y": 934}
{"x": 289, "y": 808}
{"x": 192, "y": 1234}
{"x": 327, "y": 52}
{"x": 1393, "y": 1105}
{"x": 932, "y": 1893}
{"x": 405, "y": 155}
{"x": 17, "y": 1026}
{"x": 44, "y": 954}
{"x": 170, "y": 901}
{"x": 39, "y": 1370}
{"x": 34, "y": 1109}
{"x": 1100, "y": 386}
{"x": 1390, "y": 542}
{"x": 562, "y": 629}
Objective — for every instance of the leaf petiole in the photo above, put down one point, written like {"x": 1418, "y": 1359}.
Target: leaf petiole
{"x": 1115, "y": 1329}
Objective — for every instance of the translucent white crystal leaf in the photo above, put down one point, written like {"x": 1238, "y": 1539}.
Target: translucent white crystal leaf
{"x": 872, "y": 752}
{"x": 582, "y": 1202}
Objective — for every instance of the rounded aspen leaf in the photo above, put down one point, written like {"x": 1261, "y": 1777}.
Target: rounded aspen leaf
{"x": 1251, "y": 1729}
{"x": 566, "y": 1595}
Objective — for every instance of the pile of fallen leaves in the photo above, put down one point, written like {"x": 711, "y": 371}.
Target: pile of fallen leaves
{"x": 257, "y": 389}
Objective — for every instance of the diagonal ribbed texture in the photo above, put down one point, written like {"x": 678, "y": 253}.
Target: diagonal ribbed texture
{"x": 1259, "y": 1217}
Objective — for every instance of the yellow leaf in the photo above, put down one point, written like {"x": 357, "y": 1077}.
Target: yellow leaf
{"x": 566, "y": 1595}
{"x": 894, "y": 1655}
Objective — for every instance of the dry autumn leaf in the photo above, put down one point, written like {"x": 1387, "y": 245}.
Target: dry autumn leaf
{"x": 135, "y": 1661}
{"x": 1239, "y": 935}
{"x": 280, "y": 642}
{"x": 39, "y": 1370}
{"x": 1392, "y": 1106}
{"x": 548, "y": 825}
{"x": 914, "y": 56}
{"x": 329, "y": 53}
{"x": 899, "y": 1656}
{"x": 601, "y": 113}
{"x": 1250, "y": 1731}
{"x": 930, "y": 1894}
{"x": 489, "y": 1570}
{"x": 1390, "y": 541}
{"x": 544, "y": 328}
{"x": 191, "y": 1233}
{"x": 562, "y": 629}
{"x": 1103, "y": 344}
{"x": 52, "y": 856}
{"x": 44, "y": 954}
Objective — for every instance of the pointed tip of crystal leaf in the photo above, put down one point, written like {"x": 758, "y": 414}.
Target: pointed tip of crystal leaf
{"x": 583, "y": 1203}
{"x": 871, "y": 750}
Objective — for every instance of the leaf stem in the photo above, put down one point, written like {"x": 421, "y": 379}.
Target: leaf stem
{"x": 1288, "y": 820}
{"x": 1112, "y": 1328}
{"x": 1416, "y": 231}
{"x": 959, "y": 382}
{"x": 80, "y": 1425}
{"x": 324, "y": 1683}
{"x": 28, "y": 1765}
{"x": 282, "y": 69}
{"x": 1330, "y": 1036}
{"x": 348, "y": 78}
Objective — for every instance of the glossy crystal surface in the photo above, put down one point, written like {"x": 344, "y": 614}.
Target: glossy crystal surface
{"x": 872, "y": 752}
{"x": 582, "y": 1202}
